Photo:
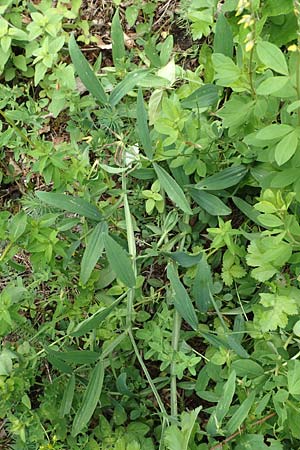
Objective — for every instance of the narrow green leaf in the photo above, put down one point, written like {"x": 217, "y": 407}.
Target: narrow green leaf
{"x": 94, "y": 321}
{"x": 92, "y": 252}
{"x": 240, "y": 414}
{"x": 173, "y": 190}
{"x": 90, "y": 399}
{"x": 182, "y": 301}
{"x": 210, "y": 203}
{"x": 203, "y": 97}
{"x": 247, "y": 368}
{"x": 142, "y": 125}
{"x": 126, "y": 85}
{"x": 76, "y": 356}
{"x": 184, "y": 259}
{"x": 286, "y": 148}
{"x": 222, "y": 408}
{"x": 58, "y": 363}
{"x": 247, "y": 209}
{"x": 202, "y": 285}
{"x": 68, "y": 396}
{"x": 222, "y": 180}
{"x": 71, "y": 204}
{"x": 86, "y": 73}
{"x": 119, "y": 261}
{"x": 117, "y": 38}
{"x": 223, "y": 41}
{"x": 271, "y": 56}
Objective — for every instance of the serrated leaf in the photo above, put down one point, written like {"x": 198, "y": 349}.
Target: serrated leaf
{"x": 182, "y": 301}
{"x": 271, "y": 56}
{"x": 286, "y": 148}
{"x": 210, "y": 203}
{"x": 90, "y": 399}
{"x": 92, "y": 252}
{"x": 172, "y": 189}
{"x": 119, "y": 261}
{"x": 71, "y": 204}
{"x": 142, "y": 125}
{"x": 126, "y": 85}
{"x": 86, "y": 73}
{"x": 222, "y": 180}
{"x": 94, "y": 321}
{"x": 68, "y": 396}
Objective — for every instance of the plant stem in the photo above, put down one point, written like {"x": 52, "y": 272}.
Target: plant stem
{"x": 175, "y": 342}
{"x": 297, "y": 14}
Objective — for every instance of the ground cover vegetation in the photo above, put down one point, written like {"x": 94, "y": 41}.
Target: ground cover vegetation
{"x": 150, "y": 238}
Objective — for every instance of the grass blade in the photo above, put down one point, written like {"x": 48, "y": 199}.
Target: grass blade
{"x": 92, "y": 252}
{"x": 126, "y": 85}
{"x": 90, "y": 399}
{"x": 173, "y": 190}
{"x": 119, "y": 261}
{"x": 142, "y": 126}
{"x": 86, "y": 73}
{"x": 71, "y": 204}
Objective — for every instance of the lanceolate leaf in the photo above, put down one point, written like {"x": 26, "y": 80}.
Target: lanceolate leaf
{"x": 223, "y": 41}
{"x": 90, "y": 399}
{"x": 240, "y": 414}
{"x": 142, "y": 126}
{"x": 67, "y": 400}
{"x": 222, "y": 180}
{"x": 203, "y": 97}
{"x": 71, "y": 204}
{"x": 94, "y": 321}
{"x": 86, "y": 73}
{"x": 93, "y": 251}
{"x": 117, "y": 37}
{"x": 286, "y": 148}
{"x": 126, "y": 85}
{"x": 119, "y": 261}
{"x": 182, "y": 301}
{"x": 173, "y": 190}
{"x": 201, "y": 288}
{"x": 210, "y": 203}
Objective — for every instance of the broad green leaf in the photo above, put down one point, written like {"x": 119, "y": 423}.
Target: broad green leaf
{"x": 274, "y": 131}
{"x": 92, "y": 252}
{"x": 126, "y": 85}
{"x": 117, "y": 38}
{"x": 94, "y": 320}
{"x": 271, "y": 56}
{"x": 17, "y": 226}
{"x": 222, "y": 408}
{"x": 71, "y": 204}
{"x": 240, "y": 414}
{"x": 90, "y": 399}
{"x": 172, "y": 189}
{"x": 223, "y": 40}
{"x": 247, "y": 368}
{"x": 203, "y": 97}
{"x": 86, "y": 73}
{"x": 120, "y": 261}
{"x": 270, "y": 220}
{"x": 293, "y": 378}
{"x": 236, "y": 346}
{"x": 166, "y": 50}
{"x": 210, "y": 203}
{"x": 202, "y": 285}
{"x": 222, "y": 180}
{"x": 67, "y": 399}
{"x": 185, "y": 259}
{"x": 226, "y": 72}
{"x": 142, "y": 125}
{"x": 271, "y": 85}
{"x": 286, "y": 148}
{"x": 182, "y": 301}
